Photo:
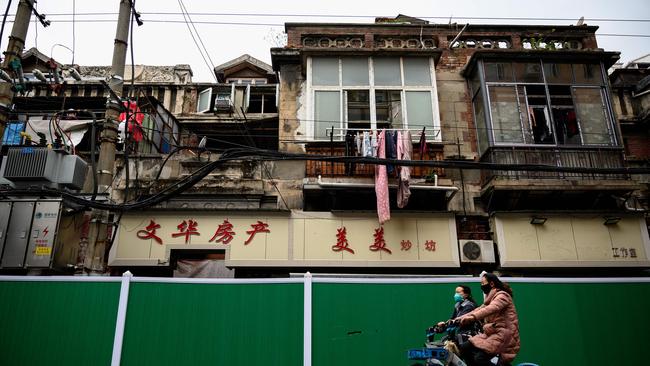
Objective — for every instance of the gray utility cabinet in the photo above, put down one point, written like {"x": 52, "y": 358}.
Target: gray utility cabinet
{"x": 20, "y": 222}
{"x": 28, "y": 232}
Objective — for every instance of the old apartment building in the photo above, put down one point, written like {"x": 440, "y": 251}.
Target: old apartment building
{"x": 527, "y": 112}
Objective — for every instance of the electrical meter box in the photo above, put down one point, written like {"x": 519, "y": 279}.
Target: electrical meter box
{"x": 27, "y": 233}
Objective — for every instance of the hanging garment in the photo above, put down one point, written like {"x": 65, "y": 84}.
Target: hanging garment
{"x": 423, "y": 146}
{"x": 349, "y": 151}
{"x": 391, "y": 149}
{"x": 358, "y": 140}
{"x": 366, "y": 147}
{"x": 374, "y": 143}
{"x": 381, "y": 182}
{"x": 135, "y": 120}
{"x": 404, "y": 152}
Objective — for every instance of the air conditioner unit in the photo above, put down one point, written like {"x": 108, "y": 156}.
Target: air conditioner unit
{"x": 222, "y": 103}
{"x": 476, "y": 251}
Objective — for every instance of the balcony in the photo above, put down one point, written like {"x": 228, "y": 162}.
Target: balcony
{"x": 523, "y": 190}
{"x": 347, "y": 186}
{"x": 339, "y": 170}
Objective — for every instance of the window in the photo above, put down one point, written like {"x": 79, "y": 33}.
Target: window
{"x": 205, "y": 97}
{"x": 262, "y": 101}
{"x": 12, "y": 133}
{"x": 362, "y": 93}
{"x": 546, "y": 103}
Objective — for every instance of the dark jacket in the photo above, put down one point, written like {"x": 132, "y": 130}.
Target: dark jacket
{"x": 462, "y": 308}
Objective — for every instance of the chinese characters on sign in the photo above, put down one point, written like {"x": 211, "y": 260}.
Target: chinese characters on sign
{"x": 430, "y": 245}
{"x": 380, "y": 243}
{"x": 341, "y": 241}
{"x": 149, "y": 232}
{"x": 406, "y": 244}
{"x": 624, "y": 252}
{"x": 224, "y": 233}
{"x": 259, "y": 227}
{"x": 187, "y": 228}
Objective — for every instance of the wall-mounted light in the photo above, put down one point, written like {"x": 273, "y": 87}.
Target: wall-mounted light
{"x": 538, "y": 220}
{"x": 611, "y": 220}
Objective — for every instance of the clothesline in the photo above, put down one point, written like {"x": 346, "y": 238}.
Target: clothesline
{"x": 343, "y": 131}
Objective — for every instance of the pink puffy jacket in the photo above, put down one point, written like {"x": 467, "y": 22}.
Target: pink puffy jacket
{"x": 501, "y": 325}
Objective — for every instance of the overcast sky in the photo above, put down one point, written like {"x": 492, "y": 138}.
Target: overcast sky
{"x": 162, "y": 43}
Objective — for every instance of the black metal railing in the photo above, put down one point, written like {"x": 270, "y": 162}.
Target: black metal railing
{"x": 554, "y": 156}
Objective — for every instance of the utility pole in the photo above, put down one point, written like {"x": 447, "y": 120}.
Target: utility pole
{"x": 14, "y": 50}
{"x": 109, "y": 133}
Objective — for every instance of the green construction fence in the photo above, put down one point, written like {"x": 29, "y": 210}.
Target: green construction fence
{"x": 64, "y": 321}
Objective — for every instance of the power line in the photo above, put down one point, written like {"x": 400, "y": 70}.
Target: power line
{"x": 270, "y": 25}
{"x": 196, "y": 44}
{"x": 348, "y": 16}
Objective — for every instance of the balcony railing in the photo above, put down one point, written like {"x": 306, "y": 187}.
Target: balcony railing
{"x": 560, "y": 157}
{"x": 332, "y": 169}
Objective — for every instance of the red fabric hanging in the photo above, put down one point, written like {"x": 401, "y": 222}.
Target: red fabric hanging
{"x": 135, "y": 120}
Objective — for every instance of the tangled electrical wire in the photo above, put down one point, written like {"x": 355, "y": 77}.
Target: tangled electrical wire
{"x": 254, "y": 154}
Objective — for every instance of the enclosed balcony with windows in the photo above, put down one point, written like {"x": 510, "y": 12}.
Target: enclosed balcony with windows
{"x": 555, "y": 112}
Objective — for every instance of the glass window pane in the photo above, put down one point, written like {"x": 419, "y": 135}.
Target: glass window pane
{"x": 358, "y": 108}
{"x": 528, "y": 72}
{"x": 588, "y": 74}
{"x": 12, "y": 133}
{"x": 325, "y": 71}
{"x": 498, "y": 71}
{"x": 481, "y": 128}
{"x": 558, "y": 73}
{"x": 419, "y": 109}
{"x": 417, "y": 71}
{"x": 204, "y": 100}
{"x": 389, "y": 108}
{"x": 475, "y": 81}
{"x": 591, "y": 115}
{"x": 387, "y": 71}
{"x": 355, "y": 71}
{"x": 506, "y": 121}
{"x": 327, "y": 112}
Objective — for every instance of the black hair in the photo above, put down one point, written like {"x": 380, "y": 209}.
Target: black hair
{"x": 468, "y": 292}
{"x": 491, "y": 277}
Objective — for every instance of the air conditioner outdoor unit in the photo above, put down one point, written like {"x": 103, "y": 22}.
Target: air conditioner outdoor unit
{"x": 476, "y": 251}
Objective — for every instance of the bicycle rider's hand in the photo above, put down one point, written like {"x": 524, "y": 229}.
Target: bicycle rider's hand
{"x": 467, "y": 320}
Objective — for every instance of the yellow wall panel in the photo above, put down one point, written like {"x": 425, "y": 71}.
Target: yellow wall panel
{"x": 520, "y": 239}
{"x": 298, "y": 239}
{"x": 277, "y": 241}
{"x": 256, "y": 249}
{"x": 556, "y": 241}
{"x": 591, "y": 239}
{"x": 360, "y": 236}
{"x": 320, "y": 235}
{"x": 130, "y": 245}
{"x": 397, "y": 230}
{"x": 626, "y": 234}
{"x": 436, "y": 230}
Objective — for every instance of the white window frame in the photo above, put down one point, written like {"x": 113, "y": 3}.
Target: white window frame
{"x": 209, "y": 92}
{"x": 311, "y": 95}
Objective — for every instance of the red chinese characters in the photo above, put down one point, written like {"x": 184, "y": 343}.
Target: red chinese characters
{"x": 430, "y": 245}
{"x": 149, "y": 232}
{"x": 342, "y": 241}
{"x": 380, "y": 243}
{"x": 406, "y": 244}
{"x": 259, "y": 227}
{"x": 224, "y": 233}
{"x": 187, "y": 229}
